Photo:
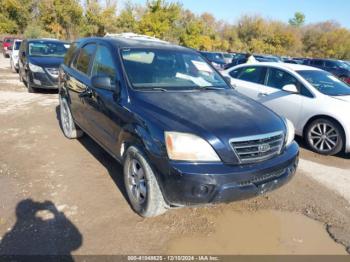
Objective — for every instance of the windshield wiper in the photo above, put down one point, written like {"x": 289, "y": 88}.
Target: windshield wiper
{"x": 211, "y": 88}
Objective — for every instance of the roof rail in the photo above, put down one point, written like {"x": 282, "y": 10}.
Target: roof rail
{"x": 136, "y": 37}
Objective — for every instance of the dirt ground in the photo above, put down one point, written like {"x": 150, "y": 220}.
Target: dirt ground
{"x": 60, "y": 196}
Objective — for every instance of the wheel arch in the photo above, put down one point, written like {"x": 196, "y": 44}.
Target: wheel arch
{"x": 328, "y": 118}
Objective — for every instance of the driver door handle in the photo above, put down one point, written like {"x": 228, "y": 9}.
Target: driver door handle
{"x": 263, "y": 94}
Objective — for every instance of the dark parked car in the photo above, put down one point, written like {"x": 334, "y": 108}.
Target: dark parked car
{"x": 336, "y": 67}
{"x": 216, "y": 59}
{"x": 183, "y": 135}
{"x": 39, "y": 60}
{"x": 7, "y": 46}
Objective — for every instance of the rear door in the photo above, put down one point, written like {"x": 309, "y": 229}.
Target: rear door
{"x": 249, "y": 80}
{"x": 283, "y": 103}
{"x": 78, "y": 81}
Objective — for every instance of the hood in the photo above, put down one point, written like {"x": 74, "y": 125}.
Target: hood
{"x": 224, "y": 114}
{"x": 51, "y": 62}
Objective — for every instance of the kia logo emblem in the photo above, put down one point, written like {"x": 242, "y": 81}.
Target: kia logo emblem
{"x": 264, "y": 148}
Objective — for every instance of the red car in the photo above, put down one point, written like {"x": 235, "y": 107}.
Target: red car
{"x": 7, "y": 46}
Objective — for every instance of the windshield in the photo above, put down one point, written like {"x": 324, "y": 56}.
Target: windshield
{"x": 51, "y": 49}
{"x": 344, "y": 65}
{"x": 170, "y": 70}
{"x": 17, "y": 45}
{"x": 325, "y": 82}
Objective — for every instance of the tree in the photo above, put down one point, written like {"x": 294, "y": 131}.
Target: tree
{"x": 61, "y": 17}
{"x": 14, "y": 15}
{"x": 98, "y": 19}
{"x": 298, "y": 19}
{"x": 126, "y": 22}
{"x": 159, "y": 19}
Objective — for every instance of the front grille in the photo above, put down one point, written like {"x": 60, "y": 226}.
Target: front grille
{"x": 257, "y": 148}
{"x": 52, "y": 72}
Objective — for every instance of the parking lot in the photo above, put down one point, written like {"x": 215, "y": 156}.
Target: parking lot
{"x": 60, "y": 196}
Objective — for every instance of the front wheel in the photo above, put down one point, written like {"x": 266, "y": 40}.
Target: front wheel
{"x": 325, "y": 136}
{"x": 30, "y": 88}
{"x": 70, "y": 129}
{"x": 141, "y": 185}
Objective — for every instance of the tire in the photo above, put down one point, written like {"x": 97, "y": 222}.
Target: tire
{"x": 69, "y": 128}
{"x": 13, "y": 69}
{"x": 325, "y": 136}
{"x": 30, "y": 88}
{"x": 20, "y": 78}
{"x": 150, "y": 202}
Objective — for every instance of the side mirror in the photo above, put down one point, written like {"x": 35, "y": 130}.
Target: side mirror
{"x": 105, "y": 82}
{"x": 291, "y": 88}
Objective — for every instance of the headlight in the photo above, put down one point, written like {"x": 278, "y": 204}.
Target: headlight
{"x": 290, "y": 131}
{"x": 188, "y": 147}
{"x": 35, "y": 68}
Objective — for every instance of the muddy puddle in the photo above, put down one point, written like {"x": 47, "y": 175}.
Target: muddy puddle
{"x": 263, "y": 232}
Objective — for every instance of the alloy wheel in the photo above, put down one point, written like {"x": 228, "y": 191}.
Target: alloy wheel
{"x": 66, "y": 124}
{"x": 324, "y": 137}
{"x": 137, "y": 182}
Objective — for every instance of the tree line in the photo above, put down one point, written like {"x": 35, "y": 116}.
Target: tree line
{"x": 71, "y": 19}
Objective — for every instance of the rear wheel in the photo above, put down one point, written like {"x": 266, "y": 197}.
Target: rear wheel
{"x": 70, "y": 129}
{"x": 325, "y": 136}
{"x": 142, "y": 186}
{"x": 13, "y": 69}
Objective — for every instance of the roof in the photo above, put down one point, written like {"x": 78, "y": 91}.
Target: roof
{"x": 293, "y": 67}
{"x": 122, "y": 42}
{"x": 46, "y": 40}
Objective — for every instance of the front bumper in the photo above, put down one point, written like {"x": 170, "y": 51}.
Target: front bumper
{"x": 43, "y": 80}
{"x": 197, "y": 184}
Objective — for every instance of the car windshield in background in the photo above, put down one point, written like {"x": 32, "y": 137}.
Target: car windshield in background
{"x": 17, "y": 45}
{"x": 171, "y": 70}
{"x": 52, "y": 49}
{"x": 325, "y": 82}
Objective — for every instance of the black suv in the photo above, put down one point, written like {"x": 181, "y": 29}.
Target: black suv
{"x": 337, "y": 67}
{"x": 38, "y": 62}
{"x": 184, "y": 136}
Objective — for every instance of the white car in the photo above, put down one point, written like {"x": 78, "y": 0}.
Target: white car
{"x": 315, "y": 101}
{"x": 14, "y": 55}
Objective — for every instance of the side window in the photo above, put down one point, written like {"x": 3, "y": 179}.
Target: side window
{"x": 278, "y": 78}
{"x": 305, "y": 92}
{"x": 235, "y": 73}
{"x": 317, "y": 62}
{"x": 254, "y": 74}
{"x": 83, "y": 59}
{"x": 103, "y": 63}
{"x": 331, "y": 64}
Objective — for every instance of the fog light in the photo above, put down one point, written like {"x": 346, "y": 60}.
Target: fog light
{"x": 201, "y": 190}
{"x": 37, "y": 82}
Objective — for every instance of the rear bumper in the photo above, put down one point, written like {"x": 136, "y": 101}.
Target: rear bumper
{"x": 196, "y": 184}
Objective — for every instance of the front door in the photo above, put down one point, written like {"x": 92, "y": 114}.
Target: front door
{"x": 274, "y": 97}
{"x": 102, "y": 105}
